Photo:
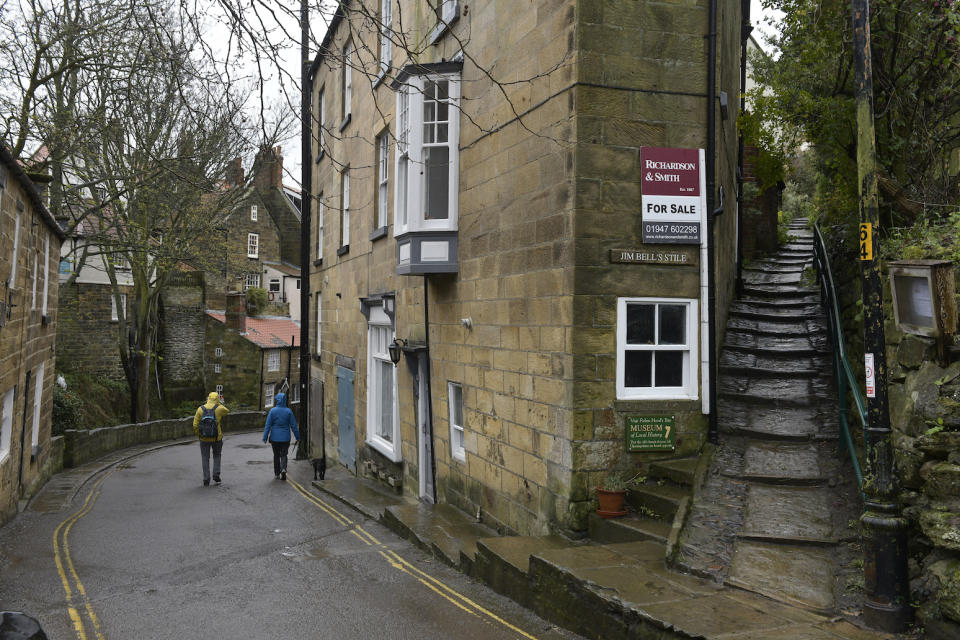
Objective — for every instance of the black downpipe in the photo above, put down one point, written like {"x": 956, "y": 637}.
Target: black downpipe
{"x": 712, "y": 433}
{"x": 429, "y": 416}
{"x": 306, "y": 136}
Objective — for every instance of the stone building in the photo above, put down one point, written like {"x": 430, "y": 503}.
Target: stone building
{"x": 250, "y": 360}
{"x": 477, "y": 196}
{"x": 262, "y": 238}
{"x": 29, "y": 248}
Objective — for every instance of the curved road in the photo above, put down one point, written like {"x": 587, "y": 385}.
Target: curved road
{"x": 145, "y": 552}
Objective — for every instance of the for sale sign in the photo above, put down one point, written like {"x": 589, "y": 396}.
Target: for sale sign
{"x": 671, "y": 194}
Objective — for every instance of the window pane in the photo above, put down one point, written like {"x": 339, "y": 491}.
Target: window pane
{"x": 456, "y": 405}
{"x": 669, "y": 368}
{"x": 442, "y": 92}
{"x": 673, "y": 323}
{"x": 640, "y": 324}
{"x": 428, "y": 110}
{"x": 437, "y": 161}
{"x": 386, "y": 400}
{"x": 442, "y": 112}
{"x": 636, "y": 369}
{"x": 441, "y": 133}
{"x": 428, "y": 134}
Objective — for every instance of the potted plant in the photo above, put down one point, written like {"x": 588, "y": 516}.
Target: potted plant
{"x": 611, "y": 494}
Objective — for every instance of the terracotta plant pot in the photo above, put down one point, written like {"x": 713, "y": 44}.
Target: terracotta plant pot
{"x": 610, "y": 503}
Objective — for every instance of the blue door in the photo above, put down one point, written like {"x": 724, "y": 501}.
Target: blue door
{"x": 347, "y": 443}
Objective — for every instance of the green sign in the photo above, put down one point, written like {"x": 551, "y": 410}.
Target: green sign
{"x": 650, "y": 433}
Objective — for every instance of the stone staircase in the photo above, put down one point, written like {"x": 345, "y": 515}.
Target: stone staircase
{"x": 776, "y": 502}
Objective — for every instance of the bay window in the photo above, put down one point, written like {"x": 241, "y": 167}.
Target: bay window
{"x": 427, "y": 167}
{"x": 657, "y": 348}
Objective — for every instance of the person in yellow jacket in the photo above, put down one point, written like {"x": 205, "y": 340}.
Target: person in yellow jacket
{"x": 206, "y": 424}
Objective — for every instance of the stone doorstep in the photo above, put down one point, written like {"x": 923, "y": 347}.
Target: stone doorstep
{"x": 442, "y": 529}
{"x": 629, "y": 528}
{"x": 366, "y": 496}
{"x": 680, "y": 470}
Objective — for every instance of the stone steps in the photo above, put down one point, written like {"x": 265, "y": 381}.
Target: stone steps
{"x": 442, "y": 529}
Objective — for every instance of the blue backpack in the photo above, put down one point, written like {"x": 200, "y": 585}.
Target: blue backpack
{"x": 208, "y": 423}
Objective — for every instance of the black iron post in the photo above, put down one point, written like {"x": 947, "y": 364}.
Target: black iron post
{"x": 306, "y": 166}
{"x": 885, "y": 548}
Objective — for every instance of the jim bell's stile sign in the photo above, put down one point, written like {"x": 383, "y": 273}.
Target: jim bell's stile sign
{"x": 671, "y": 189}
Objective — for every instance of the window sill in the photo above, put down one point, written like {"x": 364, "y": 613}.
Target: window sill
{"x": 345, "y": 249}
{"x": 443, "y": 27}
{"x": 346, "y": 121}
{"x": 318, "y": 262}
{"x": 378, "y": 233}
{"x": 386, "y": 448}
{"x": 254, "y": 256}
{"x": 380, "y": 76}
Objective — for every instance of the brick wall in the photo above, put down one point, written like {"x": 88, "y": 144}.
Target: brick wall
{"x": 27, "y": 340}
{"x": 86, "y": 335}
{"x": 182, "y": 338}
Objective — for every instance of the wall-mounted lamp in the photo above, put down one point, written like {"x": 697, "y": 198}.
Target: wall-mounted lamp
{"x": 394, "y": 350}
{"x": 467, "y": 323}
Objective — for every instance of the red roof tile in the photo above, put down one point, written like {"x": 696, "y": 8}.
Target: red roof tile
{"x": 267, "y": 333}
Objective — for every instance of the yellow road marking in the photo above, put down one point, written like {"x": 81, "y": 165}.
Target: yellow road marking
{"x": 398, "y": 562}
{"x": 61, "y": 555}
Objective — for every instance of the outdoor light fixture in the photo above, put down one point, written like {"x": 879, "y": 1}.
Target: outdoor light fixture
{"x": 924, "y": 300}
{"x": 394, "y": 349}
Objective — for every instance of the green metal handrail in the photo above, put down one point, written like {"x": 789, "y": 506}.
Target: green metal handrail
{"x": 843, "y": 373}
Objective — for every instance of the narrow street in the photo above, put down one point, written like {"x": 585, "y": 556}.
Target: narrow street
{"x": 145, "y": 551}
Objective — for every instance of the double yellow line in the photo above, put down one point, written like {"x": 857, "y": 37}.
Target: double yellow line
{"x": 77, "y": 599}
{"x": 399, "y": 563}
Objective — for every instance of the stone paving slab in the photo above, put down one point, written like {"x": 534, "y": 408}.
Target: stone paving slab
{"x": 802, "y": 576}
{"x": 782, "y": 462}
{"x": 442, "y": 528}
{"x": 367, "y": 497}
{"x": 764, "y": 277}
{"x": 789, "y": 512}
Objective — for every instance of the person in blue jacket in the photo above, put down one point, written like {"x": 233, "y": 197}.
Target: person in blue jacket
{"x": 280, "y": 421}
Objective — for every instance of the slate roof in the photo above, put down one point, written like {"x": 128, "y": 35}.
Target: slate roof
{"x": 267, "y": 332}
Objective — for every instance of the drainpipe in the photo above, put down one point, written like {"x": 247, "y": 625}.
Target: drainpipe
{"x": 429, "y": 416}
{"x": 711, "y": 163}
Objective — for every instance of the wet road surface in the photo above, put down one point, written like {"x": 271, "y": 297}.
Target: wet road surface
{"x": 144, "y": 551}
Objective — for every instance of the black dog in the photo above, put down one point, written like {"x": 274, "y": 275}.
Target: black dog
{"x": 319, "y": 467}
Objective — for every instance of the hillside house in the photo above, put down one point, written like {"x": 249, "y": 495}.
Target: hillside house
{"x": 29, "y": 245}
{"x": 479, "y": 210}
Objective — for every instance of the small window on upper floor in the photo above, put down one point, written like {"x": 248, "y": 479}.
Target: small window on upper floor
{"x": 346, "y": 97}
{"x": 320, "y": 226}
{"x": 218, "y": 352}
{"x": 273, "y": 360}
{"x": 253, "y": 245}
{"x": 447, "y": 12}
{"x": 114, "y": 313}
{"x": 386, "y": 35}
{"x": 253, "y": 212}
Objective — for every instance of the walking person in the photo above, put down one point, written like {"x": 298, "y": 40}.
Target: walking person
{"x": 206, "y": 424}
{"x": 280, "y": 421}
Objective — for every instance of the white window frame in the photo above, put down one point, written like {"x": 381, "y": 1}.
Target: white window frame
{"x": 253, "y": 245}
{"x": 46, "y": 274}
{"x": 268, "y": 394}
{"x": 345, "y": 208}
{"x": 410, "y": 152}
{"x": 114, "y": 317}
{"x": 251, "y": 280}
{"x": 295, "y": 393}
{"x": 273, "y": 360}
{"x": 379, "y": 335}
{"x": 274, "y": 282}
{"x": 16, "y": 250}
{"x": 6, "y": 423}
{"x": 347, "y": 77}
{"x": 447, "y": 12}
{"x": 219, "y": 389}
{"x": 218, "y": 352}
{"x": 689, "y": 389}
{"x": 254, "y": 213}
{"x": 319, "y": 322}
{"x": 386, "y": 32}
{"x": 320, "y": 226}
{"x": 37, "y": 405}
{"x": 217, "y": 367}
{"x": 383, "y": 178}
{"x": 457, "y": 450}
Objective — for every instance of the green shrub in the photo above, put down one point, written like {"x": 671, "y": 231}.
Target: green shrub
{"x": 256, "y": 300}
{"x": 66, "y": 410}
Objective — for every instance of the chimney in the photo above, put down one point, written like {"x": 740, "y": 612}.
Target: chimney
{"x": 235, "y": 173}
{"x": 236, "y": 314}
{"x": 269, "y": 168}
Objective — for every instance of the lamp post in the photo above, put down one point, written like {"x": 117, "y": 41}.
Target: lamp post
{"x": 885, "y": 548}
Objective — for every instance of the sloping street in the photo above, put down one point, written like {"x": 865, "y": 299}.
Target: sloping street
{"x": 145, "y": 551}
